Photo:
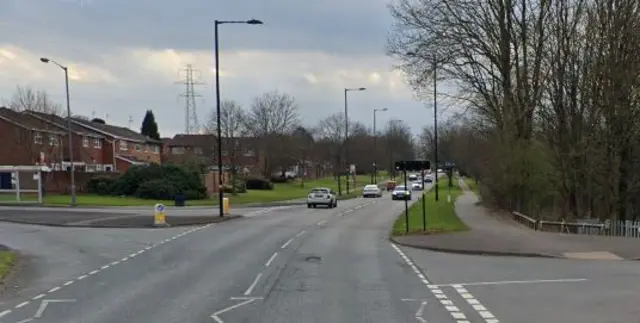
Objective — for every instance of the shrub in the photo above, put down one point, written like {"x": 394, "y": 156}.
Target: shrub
{"x": 280, "y": 179}
{"x": 158, "y": 189}
{"x": 100, "y": 185}
{"x": 254, "y": 183}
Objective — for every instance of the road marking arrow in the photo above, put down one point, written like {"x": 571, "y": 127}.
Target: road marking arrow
{"x": 420, "y": 312}
{"x": 246, "y": 300}
{"x": 45, "y": 303}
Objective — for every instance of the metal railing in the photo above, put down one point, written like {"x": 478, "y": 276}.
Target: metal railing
{"x": 629, "y": 229}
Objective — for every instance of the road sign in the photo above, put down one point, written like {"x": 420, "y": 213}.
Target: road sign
{"x": 412, "y": 165}
{"x": 159, "y": 217}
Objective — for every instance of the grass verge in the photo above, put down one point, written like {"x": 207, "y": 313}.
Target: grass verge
{"x": 7, "y": 259}
{"x": 472, "y": 185}
{"x": 441, "y": 215}
{"x": 281, "y": 192}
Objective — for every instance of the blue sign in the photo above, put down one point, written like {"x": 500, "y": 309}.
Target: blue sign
{"x": 159, "y": 207}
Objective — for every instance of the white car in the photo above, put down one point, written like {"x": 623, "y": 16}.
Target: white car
{"x": 322, "y": 196}
{"x": 417, "y": 186}
{"x": 371, "y": 191}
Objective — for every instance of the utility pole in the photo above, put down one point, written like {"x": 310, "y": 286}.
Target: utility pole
{"x": 191, "y": 124}
{"x": 130, "y": 121}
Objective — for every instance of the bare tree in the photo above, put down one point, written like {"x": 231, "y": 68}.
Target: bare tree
{"x": 26, "y": 98}
{"x": 232, "y": 127}
{"x": 272, "y": 119}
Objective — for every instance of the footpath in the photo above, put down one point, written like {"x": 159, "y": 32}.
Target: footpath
{"x": 494, "y": 234}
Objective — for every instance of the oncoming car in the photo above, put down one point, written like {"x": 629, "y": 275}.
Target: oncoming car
{"x": 371, "y": 191}
{"x": 321, "y": 196}
{"x": 401, "y": 193}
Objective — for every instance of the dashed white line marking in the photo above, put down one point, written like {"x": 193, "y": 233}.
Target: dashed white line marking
{"x": 453, "y": 310}
{"x": 5, "y": 312}
{"x": 38, "y": 297}
{"x": 476, "y": 305}
{"x": 124, "y": 259}
{"x": 93, "y": 272}
{"x": 287, "y": 243}
{"x": 82, "y": 277}
{"x": 253, "y": 285}
{"x": 68, "y": 283}
{"x": 105, "y": 267}
{"x": 300, "y": 233}
{"x": 321, "y": 222}
{"x": 271, "y": 259}
{"x": 132, "y": 255}
{"x": 23, "y": 304}
{"x": 55, "y": 289}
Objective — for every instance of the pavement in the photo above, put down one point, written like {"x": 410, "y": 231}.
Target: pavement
{"x": 294, "y": 264}
{"x": 494, "y": 234}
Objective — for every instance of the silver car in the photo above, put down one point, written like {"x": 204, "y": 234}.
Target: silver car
{"x": 371, "y": 191}
{"x": 322, "y": 196}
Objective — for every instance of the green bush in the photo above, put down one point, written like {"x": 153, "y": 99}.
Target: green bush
{"x": 255, "y": 183}
{"x": 155, "y": 182}
{"x": 100, "y": 185}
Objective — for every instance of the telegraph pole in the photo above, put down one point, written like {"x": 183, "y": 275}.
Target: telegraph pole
{"x": 191, "y": 124}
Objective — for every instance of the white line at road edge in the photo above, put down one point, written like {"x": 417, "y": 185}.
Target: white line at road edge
{"x": 107, "y": 266}
{"x": 287, "y": 243}
{"x": 453, "y": 310}
{"x": 271, "y": 259}
{"x": 510, "y": 282}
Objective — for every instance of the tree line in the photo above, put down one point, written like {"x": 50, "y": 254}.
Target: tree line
{"x": 552, "y": 97}
{"x": 273, "y": 120}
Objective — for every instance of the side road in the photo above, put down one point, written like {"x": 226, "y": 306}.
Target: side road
{"x": 492, "y": 235}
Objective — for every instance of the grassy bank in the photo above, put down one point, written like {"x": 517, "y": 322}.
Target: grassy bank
{"x": 472, "y": 185}
{"x": 281, "y": 192}
{"x": 441, "y": 216}
{"x": 7, "y": 259}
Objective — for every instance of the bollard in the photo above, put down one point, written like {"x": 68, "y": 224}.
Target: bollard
{"x": 225, "y": 205}
{"x": 159, "y": 217}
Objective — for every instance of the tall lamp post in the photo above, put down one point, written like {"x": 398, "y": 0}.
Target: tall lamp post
{"x": 346, "y": 130}
{"x": 374, "y": 177}
{"x": 219, "y": 128}
{"x": 66, "y": 83}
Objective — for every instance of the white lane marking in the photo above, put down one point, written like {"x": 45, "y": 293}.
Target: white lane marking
{"x": 245, "y": 298}
{"x": 114, "y": 263}
{"x": 23, "y": 304}
{"x": 5, "y": 312}
{"x": 271, "y": 259}
{"x": 38, "y": 297}
{"x": 321, "y": 222}
{"x": 300, "y": 234}
{"x": 439, "y": 294}
{"x": 253, "y": 285}
{"x": 507, "y": 282}
{"x": 420, "y": 312}
{"x": 476, "y": 305}
{"x": 25, "y": 320}
{"x": 287, "y": 243}
{"x": 215, "y": 317}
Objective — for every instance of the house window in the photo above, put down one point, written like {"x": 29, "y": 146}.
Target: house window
{"x": 123, "y": 145}
{"x": 53, "y": 140}
{"x": 197, "y": 150}
{"x": 156, "y": 149}
{"x": 97, "y": 143}
{"x": 85, "y": 142}
{"x": 177, "y": 150}
{"x": 146, "y": 148}
{"x": 137, "y": 147}
{"x": 37, "y": 138}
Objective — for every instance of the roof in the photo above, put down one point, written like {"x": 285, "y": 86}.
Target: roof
{"x": 204, "y": 140}
{"x": 27, "y": 121}
{"x": 114, "y": 131}
{"x": 62, "y": 123}
{"x": 132, "y": 159}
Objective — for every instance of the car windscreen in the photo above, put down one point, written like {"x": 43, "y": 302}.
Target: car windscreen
{"x": 319, "y": 190}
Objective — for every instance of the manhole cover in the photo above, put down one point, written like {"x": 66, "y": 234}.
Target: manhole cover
{"x": 313, "y": 259}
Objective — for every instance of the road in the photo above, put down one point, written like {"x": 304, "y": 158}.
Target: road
{"x": 294, "y": 264}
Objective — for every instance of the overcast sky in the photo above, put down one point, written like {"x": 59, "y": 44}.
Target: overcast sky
{"x": 124, "y": 56}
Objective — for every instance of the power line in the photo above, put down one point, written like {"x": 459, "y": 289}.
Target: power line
{"x": 191, "y": 124}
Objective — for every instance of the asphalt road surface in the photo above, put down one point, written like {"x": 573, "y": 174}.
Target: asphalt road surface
{"x": 294, "y": 264}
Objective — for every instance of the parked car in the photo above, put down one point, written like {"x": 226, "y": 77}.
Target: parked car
{"x": 391, "y": 185}
{"x": 401, "y": 193}
{"x": 371, "y": 191}
{"x": 322, "y": 196}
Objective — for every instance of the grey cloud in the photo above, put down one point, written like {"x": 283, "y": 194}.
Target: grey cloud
{"x": 350, "y": 27}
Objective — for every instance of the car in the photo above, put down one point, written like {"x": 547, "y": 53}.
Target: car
{"x": 417, "y": 186}
{"x": 401, "y": 193}
{"x": 428, "y": 179}
{"x": 371, "y": 191}
{"x": 322, "y": 196}
{"x": 391, "y": 185}
{"x": 413, "y": 177}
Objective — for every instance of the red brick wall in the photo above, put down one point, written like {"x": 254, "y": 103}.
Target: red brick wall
{"x": 18, "y": 148}
{"x": 60, "y": 181}
{"x": 145, "y": 154}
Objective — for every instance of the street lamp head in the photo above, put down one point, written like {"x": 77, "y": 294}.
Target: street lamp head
{"x": 384, "y": 109}
{"x": 362, "y": 89}
{"x": 45, "y": 60}
{"x": 254, "y": 22}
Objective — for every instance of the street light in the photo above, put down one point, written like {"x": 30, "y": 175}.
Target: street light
{"x": 66, "y": 83}
{"x": 346, "y": 131}
{"x": 374, "y": 177}
{"x": 219, "y": 130}
{"x": 435, "y": 114}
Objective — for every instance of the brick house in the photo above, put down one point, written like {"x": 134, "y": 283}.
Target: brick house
{"x": 91, "y": 152}
{"x": 27, "y": 140}
{"x": 127, "y": 146}
{"x": 201, "y": 148}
